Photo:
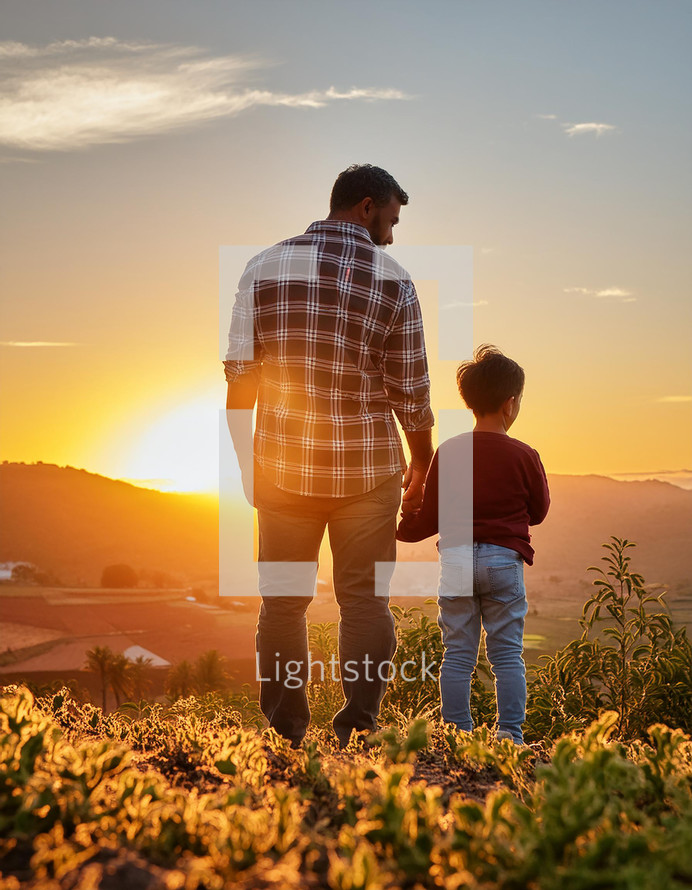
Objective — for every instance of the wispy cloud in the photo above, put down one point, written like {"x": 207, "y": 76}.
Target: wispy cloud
{"x": 617, "y": 292}
{"x": 675, "y": 399}
{"x": 16, "y": 159}
{"x": 77, "y": 93}
{"x": 580, "y": 129}
{"x": 34, "y": 343}
{"x": 608, "y": 293}
{"x": 458, "y": 304}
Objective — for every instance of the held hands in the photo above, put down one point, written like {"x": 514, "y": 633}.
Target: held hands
{"x": 414, "y": 486}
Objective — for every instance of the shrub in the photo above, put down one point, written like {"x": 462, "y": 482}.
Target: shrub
{"x": 229, "y": 806}
{"x": 120, "y": 575}
{"x": 629, "y": 658}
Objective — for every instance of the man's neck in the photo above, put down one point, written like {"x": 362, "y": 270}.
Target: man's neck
{"x": 345, "y": 216}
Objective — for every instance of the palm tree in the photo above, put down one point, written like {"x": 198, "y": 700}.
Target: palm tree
{"x": 99, "y": 660}
{"x": 210, "y": 672}
{"x": 180, "y": 681}
{"x": 139, "y": 681}
{"x": 119, "y": 677}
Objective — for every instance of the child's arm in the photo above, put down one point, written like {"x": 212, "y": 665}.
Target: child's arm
{"x": 540, "y": 495}
{"x": 422, "y": 524}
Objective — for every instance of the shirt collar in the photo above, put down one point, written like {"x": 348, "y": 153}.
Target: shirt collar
{"x": 339, "y": 226}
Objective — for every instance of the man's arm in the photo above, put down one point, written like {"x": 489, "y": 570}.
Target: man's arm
{"x": 242, "y": 368}
{"x": 242, "y": 392}
{"x": 406, "y": 379}
{"x": 240, "y": 401}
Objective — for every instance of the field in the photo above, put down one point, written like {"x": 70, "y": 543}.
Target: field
{"x": 189, "y": 797}
{"x": 197, "y": 792}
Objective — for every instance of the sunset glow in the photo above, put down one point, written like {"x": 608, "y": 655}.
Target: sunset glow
{"x": 132, "y": 148}
{"x": 179, "y": 451}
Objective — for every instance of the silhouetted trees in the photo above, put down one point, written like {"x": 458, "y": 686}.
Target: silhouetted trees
{"x": 208, "y": 674}
{"x": 126, "y": 678}
{"x": 120, "y": 677}
{"x": 120, "y": 575}
{"x": 99, "y": 661}
{"x": 115, "y": 670}
{"x": 26, "y": 573}
{"x": 139, "y": 681}
{"x": 180, "y": 681}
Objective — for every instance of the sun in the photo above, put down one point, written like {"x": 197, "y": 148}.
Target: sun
{"x": 179, "y": 450}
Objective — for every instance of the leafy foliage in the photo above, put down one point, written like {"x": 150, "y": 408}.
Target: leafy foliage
{"x": 197, "y": 794}
{"x": 199, "y": 801}
{"x": 629, "y": 658}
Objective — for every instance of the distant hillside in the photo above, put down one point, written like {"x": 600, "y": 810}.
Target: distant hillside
{"x": 586, "y": 510}
{"x": 73, "y": 523}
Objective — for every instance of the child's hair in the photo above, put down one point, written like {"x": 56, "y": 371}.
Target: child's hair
{"x": 487, "y": 381}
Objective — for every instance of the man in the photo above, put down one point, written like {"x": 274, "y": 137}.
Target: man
{"x": 326, "y": 335}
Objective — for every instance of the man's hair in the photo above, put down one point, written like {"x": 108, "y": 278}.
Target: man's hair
{"x": 487, "y": 381}
{"x": 365, "y": 181}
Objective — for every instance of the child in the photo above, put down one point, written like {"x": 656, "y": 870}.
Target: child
{"x": 483, "y": 582}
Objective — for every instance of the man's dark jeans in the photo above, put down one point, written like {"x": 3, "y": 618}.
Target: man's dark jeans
{"x": 362, "y": 532}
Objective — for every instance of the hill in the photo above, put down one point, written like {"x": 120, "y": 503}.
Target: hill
{"x": 72, "y": 523}
{"x": 586, "y": 510}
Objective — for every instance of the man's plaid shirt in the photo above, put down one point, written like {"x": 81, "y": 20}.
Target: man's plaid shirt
{"x": 333, "y": 327}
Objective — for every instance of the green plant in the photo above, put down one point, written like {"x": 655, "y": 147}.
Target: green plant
{"x": 629, "y": 658}
{"x": 642, "y": 641}
{"x": 325, "y": 696}
{"x": 229, "y": 806}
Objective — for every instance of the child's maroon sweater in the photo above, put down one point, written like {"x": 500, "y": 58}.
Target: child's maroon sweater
{"x": 510, "y": 493}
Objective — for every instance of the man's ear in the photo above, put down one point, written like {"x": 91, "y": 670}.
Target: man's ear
{"x": 367, "y": 206}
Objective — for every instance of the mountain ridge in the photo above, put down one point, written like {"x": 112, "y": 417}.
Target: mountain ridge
{"x": 73, "y": 522}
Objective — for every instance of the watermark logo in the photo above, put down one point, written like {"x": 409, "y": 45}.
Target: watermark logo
{"x": 295, "y": 673}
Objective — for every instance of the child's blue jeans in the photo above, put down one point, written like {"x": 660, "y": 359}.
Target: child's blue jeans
{"x": 498, "y": 604}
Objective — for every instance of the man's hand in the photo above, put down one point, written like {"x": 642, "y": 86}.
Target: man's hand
{"x": 420, "y": 443}
{"x": 414, "y": 486}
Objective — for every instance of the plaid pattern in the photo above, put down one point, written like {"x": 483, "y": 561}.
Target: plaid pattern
{"x": 333, "y": 326}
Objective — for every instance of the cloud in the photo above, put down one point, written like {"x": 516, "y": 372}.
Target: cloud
{"x": 76, "y": 93}
{"x": 458, "y": 304}
{"x": 674, "y": 399}
{"x": 580, "y": 129}
{"x": 612, "y": 293}
{"x": 16, "y": 159}
{"x": 34, "y": 343}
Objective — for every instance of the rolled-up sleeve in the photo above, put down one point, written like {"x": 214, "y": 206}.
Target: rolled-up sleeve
{"x": 244, "y": 351}
{"x": 405, "y": 365}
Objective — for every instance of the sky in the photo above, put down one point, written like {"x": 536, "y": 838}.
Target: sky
{"x": 136, "y": 138}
